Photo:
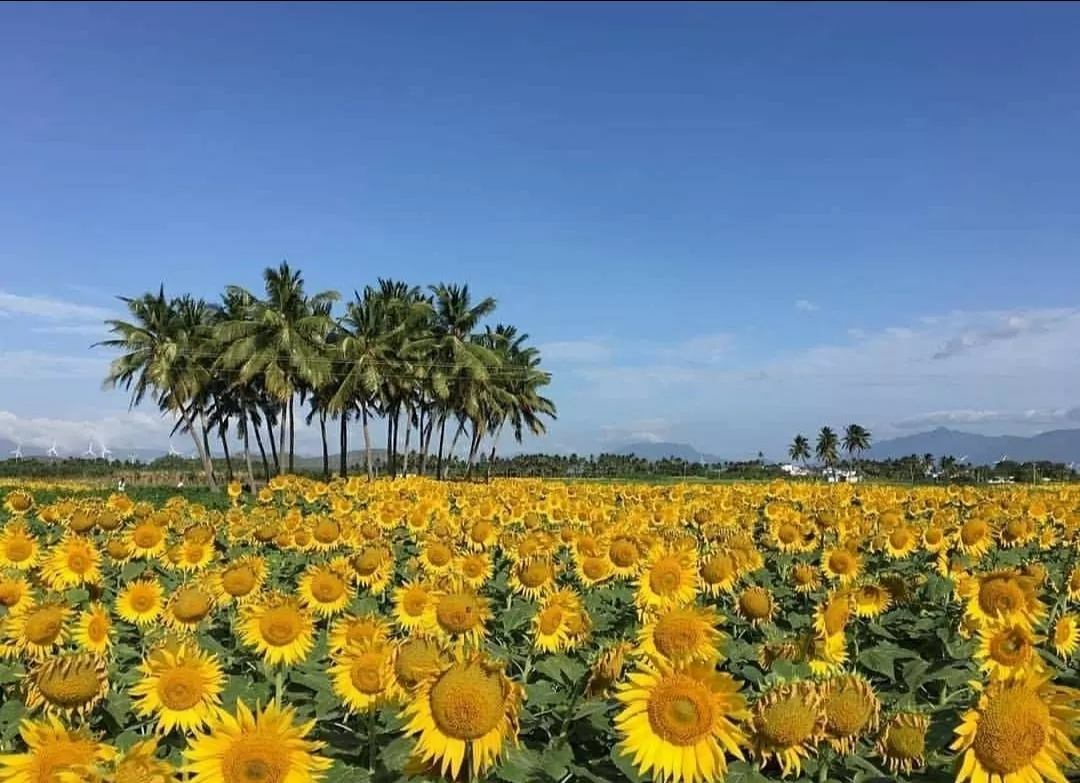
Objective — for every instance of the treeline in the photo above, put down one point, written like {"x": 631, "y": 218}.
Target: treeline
{"x": 422, "y": 362}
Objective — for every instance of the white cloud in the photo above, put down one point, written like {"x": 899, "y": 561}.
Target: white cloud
{"x": 92, "y": 330}
{"x": 706, "y": 349}
{"x": 969, "y": 417}
{"x": 581, "y": 351}
{"x": 40, "y": 365}
{"x": 49, "y": 308}
{"x": 805, "y": 306}
{"x": 641, "y": 430}
{"x": 135, "y": 429}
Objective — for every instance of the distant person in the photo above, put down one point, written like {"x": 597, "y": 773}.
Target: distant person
{"x": 180, "y": 484}
{"x": 121, "y": 485}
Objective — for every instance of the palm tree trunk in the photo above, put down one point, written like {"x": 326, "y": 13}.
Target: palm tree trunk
{"x": 281, "y": 436}
{"x": 292, "y": 433}
{"x": 405, "y": 449}
{"x": 185, "y": 414}
{"x": 424, "y": 435}
{"x": 325, "y": 447}
{"x": 247, "y": 460}
{"x": 442, "y": 439}
{"x": 343, "y": 444}
{"x": 262, "y": 451}
{"x": 367, "y": 442}
{"x": 273, "y": 443}
{"x": 228, "y": 457}
{"x": 390, "y": 444}
{"x": 474, "y": 448}
{"x": 206, "y": 442}
{"x": 494, "y": 444}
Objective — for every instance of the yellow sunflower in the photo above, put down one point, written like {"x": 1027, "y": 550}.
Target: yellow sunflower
{"x": 787, "y": 723}
{"x": 373, "y": 567}
{"x": 53, "y": 753}
{"x": 719, "y": 572}
{"x": 278, "y": 629}
{"x": 18, "y": 547}
{"x": 352, "y": 629}
{"x": 39, "y": 628}
{"x": 73, "y": 561}
{"x": 413, "y": 661}
{"x": 1007, "y": 651}
{"x": 592, "y": 570}
{"x": 414, "y": 607}
{"x": 900, "y": 542}
{"x": 1021, "y": 730}
{"x": 255, "y": 748}
{"x": 1004, "y": 596}
{"x": 188, "y": 607}
{"x": 606, "y": 670}
{"x": 756, "y": 605}
{"x": 138, "y": 764}
{"x": 804, "y": 578}
{"x": 683, "y": 635}
{"x": 18, "y": 502}
{"x": 14, "y": 593}
{"x": 549, "y": 628}
{"x": 93, "y": 631}
{"x": 141, "y": 602}
{"x": 669, "y": 578}
{"x": 680, "y": 724}
{"x": 1066, "y": 637}
{"x": 870, "y": 600}
{"x": 436, "y": 558}
{"x": 67, "y": 685}
{"x": 902, "y": 744}
{"x": 625, "y": 554}
{"x": 475, "y": 569}
{"x": 533, "y": 578}
{"x": 841, "y": 564}
{"x": 324, "y": 591}
{"x": 362, "y": 676}
{"x": 975, "y": 537}
{"x": 240, "y": 581}
{"x": 147, "y": 539}
{"x": 179, "y": 689}
{"x": 469, "y": 709}
{"x": 460, "y": 616}
{"x": 851, "y": 710}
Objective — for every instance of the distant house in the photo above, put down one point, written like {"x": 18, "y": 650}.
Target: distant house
{"x": 796, "y": 470}
{"x": 839, "y": 476}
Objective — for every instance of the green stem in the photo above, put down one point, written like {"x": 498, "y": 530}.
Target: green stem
{"x": 371, "y": 739}
{"x": 279, "y": 686}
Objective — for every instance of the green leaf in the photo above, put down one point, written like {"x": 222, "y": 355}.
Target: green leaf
{"x": 626, "y": 766}
{"x": 556, "y": 761}
{"x": 125, "y": 740}
{"x": 913, "y": 673}
{"x": 560, "y": 668}
{"x": 395, "y": 753}
{"x": 9, "y": 673}
{"x": 878, "y": 660}
{"x": 341, "y": 772}
{"x": 517, "y": 616}
{"x": 519, "y": 765}
{"x": 11, "y": 714}
{"x": 119, "y": 706}
{"x": 541, "y": 694}
{"x": 132, "y": 571}
{"x": 77, "y": 595}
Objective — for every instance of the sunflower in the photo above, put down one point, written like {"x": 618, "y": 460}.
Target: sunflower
{"x": 870, "y": 600}
{"x": 373, "y": 567}
{"x": 756, "y": 605}
{"x": 1006, "y": 651}
{"x": 14, "y": 593}
{"x": 533, "y": 578}
{"x": 469, "y": 709}
{"x": 482, "y": 535}
{"x": 592, "y": 570}
{"x": 680, "y": 723}
{"x": 180, "y": 688}
{"x": 902, "y": 744}
{"x": 1004, "y": 596}
{"x": 934, "y": 539}
{"x": 414, "y": 606}
{"x": 460, "y": 616}
{"x": 194, "y": 555}
{"x": 719, "y": 572}
{"x": 240, "y": 581}
{"x": 435, "y": 558}
{"x": 39, "y": 628}
{"x": 804, "y": 578}
{"x": 1066, "y": 637}
{"x": 53, "y": 753}
{"x": 670, "y": 578}
{"x": 141, "y": 602}
{"x": 188, "y": 607}
{"x": 625, "y": 555}
{"x": 841, "y": 564}
{"x": 575, "y": 617}
{"x": 362, "y": 676}
{"x": 18, "y": 502}
{"x": 325, "y": 534}
{"x": 255, "y": 748}
{"x": 324, "y": 590}
{"x": 353, "y": 629}
{"x": 278, "y": 629}
{"x": 851, "y": 710}
{"x": 549, "y": 628}
{"x": 1021, "y": 730}
{"x": 93, "y": 631}
{"x": 18, "y": 547}
{"x": 607, "y": 667}
{"x": 1073, "y": 586}
{"x": 67, "y": 685}
{"x": 119, "y": 550}
{"x": 74, "y": 561}
{"x": 975, "y": 537}
{"x": 786, "y": 724}
{"x": 900, "y": 542}
{"x": 413, "y": 661}
{"x": 475, "y": 569}
{"x": 138, "y": 764}
{"x": 147, "y": 539}
{"x": 683, "y": 635}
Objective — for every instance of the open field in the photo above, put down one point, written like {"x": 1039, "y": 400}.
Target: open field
{"x": 535, "y": 631}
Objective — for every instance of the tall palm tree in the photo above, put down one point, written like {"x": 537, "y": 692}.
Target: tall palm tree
{"x": 280, "y": 340}
{"x": 160, "y": 346}
{"x": 856, "y": 441}
{"x": 799, "y": 450}
{"x": 827, "y": 443}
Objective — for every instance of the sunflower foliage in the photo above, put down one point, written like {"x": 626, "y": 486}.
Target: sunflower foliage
{"x": 528, "y": 631}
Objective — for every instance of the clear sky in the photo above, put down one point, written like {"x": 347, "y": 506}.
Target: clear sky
{"x": 722, "y": 223}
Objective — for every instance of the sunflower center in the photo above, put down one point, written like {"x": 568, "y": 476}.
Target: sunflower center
{"x": 97, "y": 629}
{"x": 180, "y": 688}
{"x": 415, "y": 602}
{"x": 788, "y": 722}
{"x": 327, "y": 588}
{"x": 677, "y": 634}
{"x": 10, "y": 593}
{"x": 594, "y": 567}
{"x": 280, "y": 626}
{"x": 143, "y": 600}
{"x": 467, "y": 702}
{"x": 624, "y": 552}
{"x": 366, "y": 673}
{"x": 191, "y": 605}
{"x": 472, "y": 568}
{"x": 146, "y": 536}
{"x": 680, "y": 710}
{"x": 933, "y": 536}
{"x": 415, "y": 659}
{"x": 69, "y": 685}
{"x": 1012, "y": 730}
{"x": 717, "y": 569}
{"x": 787, "y": 534}
{"x": 458, "y": 612}
{"x": 117, "y": 549}
{"x": 755, "y": 604}
{"x": 61, "y": 756}
{"x": 19, "y": 502}
{"x": 78, "y": 563}
{"x": 535, "y": 574}
{"x": 900, "y": 538}
{"x": 842, "y": 562}
{"x": 43, "y": 625}
{"x": 326, "y": 531}
{"x": 18, "y": 549}
{"x": 550, "y": 620}
{"x": 238, "y": 581}
{"x": 255, "y": 759}
{"x": 836, "y": 616}
{"x": 848, "y": 712}
{"x": 1000, "y": 595}
{"x": 665, "y": 576}
{"x": 973, "y": 531}
{"x": 367, "y": 562}
{"x": 439, "y": 554}
{"x": 802, "y": 574}
{"x": 481, "y": 531}
{"x": 1009, "y": 647}
{"x": 905, "y": 742}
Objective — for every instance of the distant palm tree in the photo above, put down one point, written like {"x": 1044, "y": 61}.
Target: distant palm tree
{"x": 827, "y": 443}
{"x": 856, "y": 441}
{"x": 799, "y": 450}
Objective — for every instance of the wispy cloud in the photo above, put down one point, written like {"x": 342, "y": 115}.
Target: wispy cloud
{"x": 806, "y": 306}
{"x": 582, "y": 351}
{"x": 91, "y": 330}
{"x": 39, "y": 365}
{"x": 117, "y": 430}
{"x": 49, "y": 308}
{"x": 970, "y": 417}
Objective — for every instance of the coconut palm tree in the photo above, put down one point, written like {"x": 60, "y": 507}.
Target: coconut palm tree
{"x": 856, "y": 441}
{"x": 799, "y": 450}
{"x": 827, "y": 443}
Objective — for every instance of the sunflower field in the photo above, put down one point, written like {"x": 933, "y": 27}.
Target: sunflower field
{"x": 528, "y": 631}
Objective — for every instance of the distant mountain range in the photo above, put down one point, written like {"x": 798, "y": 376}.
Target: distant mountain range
{"x": 657, "y": 451}
{"x": 1053, "y": 446}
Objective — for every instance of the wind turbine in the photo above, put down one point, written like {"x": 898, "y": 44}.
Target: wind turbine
{"x": 132, "y": 458}
{"x": 1003, "y": 458}
{"x": 172, "y": 450}
{"x": 17, "y": 452}
{"x": 90, "y": 451}
{"x": 105, "y": 452}
{"x": 52, "y": 452}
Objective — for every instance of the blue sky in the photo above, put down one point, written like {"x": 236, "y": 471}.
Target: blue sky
{"x": 723, "y": 223}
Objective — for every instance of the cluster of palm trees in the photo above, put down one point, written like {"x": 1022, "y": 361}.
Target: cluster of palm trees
{"x": 855, "y": 441}
{"x": 417, "y": 360}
